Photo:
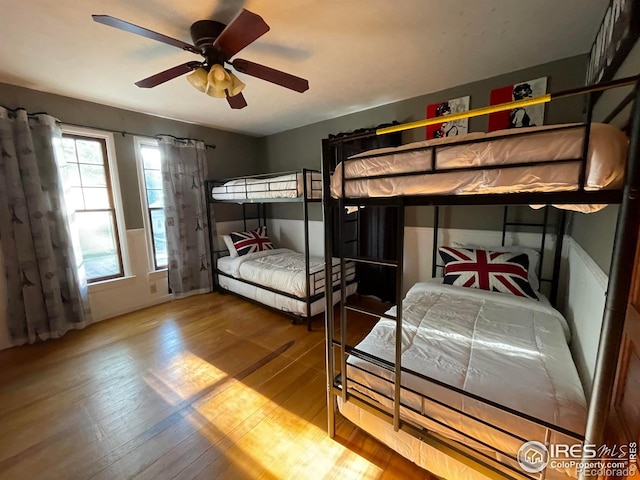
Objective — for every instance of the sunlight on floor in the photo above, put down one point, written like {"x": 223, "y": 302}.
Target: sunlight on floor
{"x": 254, "y": 436}
{"x": 184, "y": 376}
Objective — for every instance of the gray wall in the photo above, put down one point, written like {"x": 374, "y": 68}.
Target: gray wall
{"x": 301, "y": 147}
{"x": 595, "y": 232}
{"x": 235, "y": 154}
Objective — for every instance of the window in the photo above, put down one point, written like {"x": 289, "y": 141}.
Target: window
{"x": 152, "y": 198}
{"x": 91, "y": 195}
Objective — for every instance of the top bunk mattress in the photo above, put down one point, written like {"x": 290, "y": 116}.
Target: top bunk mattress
{"x": 605, "y": 164}
{"x": 278, "y": 186}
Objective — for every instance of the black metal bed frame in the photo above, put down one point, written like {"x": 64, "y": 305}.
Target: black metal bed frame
{"x": 338, "y": 385}
{"x": 311, "y": 190}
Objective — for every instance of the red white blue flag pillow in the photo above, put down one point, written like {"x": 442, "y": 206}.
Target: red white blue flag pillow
{"x": 250, "y": 242}
{"x": 505, "y": 272}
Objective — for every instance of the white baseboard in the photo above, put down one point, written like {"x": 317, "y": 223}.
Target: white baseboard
{"x": 116, "y": 312}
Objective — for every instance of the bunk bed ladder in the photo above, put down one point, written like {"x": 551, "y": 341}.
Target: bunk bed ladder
{"x": 345, "y": 307}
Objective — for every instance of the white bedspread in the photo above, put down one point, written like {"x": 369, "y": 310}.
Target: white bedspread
{"x": 282, "y": 269}
{"x": 504, "y": 348}
{"x": 606, "y": 162}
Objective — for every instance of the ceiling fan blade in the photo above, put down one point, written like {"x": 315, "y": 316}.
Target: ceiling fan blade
{"x": 271, "y": 75}
{"x": 144, "y": 32}
{"x": 237, "y": 101}
{"x": 167, "y": 75}
{"x": 246, "y": 28}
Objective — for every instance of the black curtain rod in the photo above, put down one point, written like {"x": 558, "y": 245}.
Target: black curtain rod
{"x": 122, "y": 132}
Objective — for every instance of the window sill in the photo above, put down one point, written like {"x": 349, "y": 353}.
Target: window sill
{"x": 111, "y": 284}
{"x": 157, "y": 275}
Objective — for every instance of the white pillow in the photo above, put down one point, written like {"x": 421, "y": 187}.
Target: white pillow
{"x": 229, "y": 243}
{"x": 534, "y": 258}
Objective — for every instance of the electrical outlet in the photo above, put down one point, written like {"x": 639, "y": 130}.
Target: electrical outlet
{"x": 153, "y": 288}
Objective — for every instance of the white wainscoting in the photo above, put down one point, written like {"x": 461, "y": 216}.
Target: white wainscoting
{"x": 224, "y": 228}
{"x": 286, "y": 233}
{"x": 583, "y": 294}
{"x": 116, "y": 297}
{"x": 110, "y": 299}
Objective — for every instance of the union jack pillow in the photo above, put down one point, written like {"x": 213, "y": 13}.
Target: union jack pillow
{"x": 250, "y": 242}
{"x": 505, "y": 272}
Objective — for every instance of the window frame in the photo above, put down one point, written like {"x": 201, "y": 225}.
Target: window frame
{"x": 113, "y": 187}
{"x": 140, "y": 142}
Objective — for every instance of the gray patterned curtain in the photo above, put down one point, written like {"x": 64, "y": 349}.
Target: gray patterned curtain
{"x": 184, "y": 170}
{"x": 46, "y": 292}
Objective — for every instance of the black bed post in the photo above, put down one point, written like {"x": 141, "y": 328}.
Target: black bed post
{"x": 327, "y": 213}
{"x": 305, "y": 212}
{"x": 557, "y": 257}
{"x": 620, "y": 274}
{"x": 399, "y": 314}
{"x": 434, "y": 253}
{"x": 244, "y": 216}
{"x": 343, "y": 281}
{"x": 505, "y": 218}
{"x": 264, "y": 214}
{"x": 208, "y": 186}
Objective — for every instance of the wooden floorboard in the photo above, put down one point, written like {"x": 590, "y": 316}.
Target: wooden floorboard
{"x": 206, "y": 387}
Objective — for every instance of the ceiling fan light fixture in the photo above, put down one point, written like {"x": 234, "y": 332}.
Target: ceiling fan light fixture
{"x": 215, "y": 92}
{"x": 219, "y": 78}
{"x": 198, "y": 79}
{"x": 237, "y": 85}
{"x": 218, "y": 44}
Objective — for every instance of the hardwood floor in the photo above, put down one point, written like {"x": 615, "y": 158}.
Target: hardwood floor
{"x": 206, "y": 387}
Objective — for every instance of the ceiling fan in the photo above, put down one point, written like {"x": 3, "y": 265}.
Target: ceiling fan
{"x": 217, "y": 43}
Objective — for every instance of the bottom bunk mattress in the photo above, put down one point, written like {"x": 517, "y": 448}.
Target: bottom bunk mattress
{"x": 506, "y": 349}
{"x": 284, "y": 270}
{"x": 277, "y": 301}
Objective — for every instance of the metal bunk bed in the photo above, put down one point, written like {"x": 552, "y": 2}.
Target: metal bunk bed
{"x": 258, "y": 191}
{"x": 499, "y": 464}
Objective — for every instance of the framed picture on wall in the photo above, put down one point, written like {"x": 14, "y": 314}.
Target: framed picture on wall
{"x": 442, "y": 109}
{"x": 532, "y": 116}
{"x": 618, "y": 33}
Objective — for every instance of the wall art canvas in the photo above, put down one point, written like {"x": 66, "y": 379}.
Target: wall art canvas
{"x": 518, "y": 117}
{"x": 442, "y": 109}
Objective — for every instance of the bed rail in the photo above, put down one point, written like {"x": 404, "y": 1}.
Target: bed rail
{"x": 499, "y": 464}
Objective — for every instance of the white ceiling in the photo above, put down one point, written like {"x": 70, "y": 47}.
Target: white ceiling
{"x": 356, "y": 54}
